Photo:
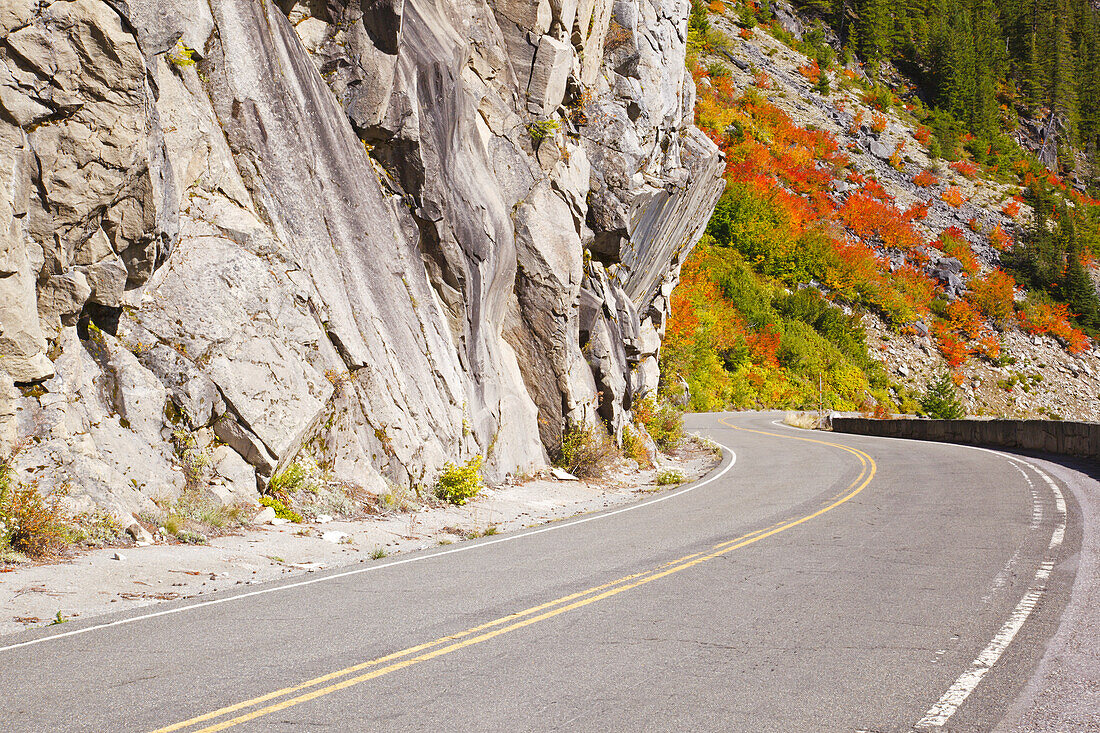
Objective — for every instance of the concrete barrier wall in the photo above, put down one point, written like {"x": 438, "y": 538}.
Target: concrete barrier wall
{"x": 1078, "y": 439}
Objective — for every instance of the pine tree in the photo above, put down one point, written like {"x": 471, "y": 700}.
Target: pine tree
{"x": 941, "y": 401}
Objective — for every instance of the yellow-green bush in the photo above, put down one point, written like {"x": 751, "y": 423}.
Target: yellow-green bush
{"x": 458, "y": 484}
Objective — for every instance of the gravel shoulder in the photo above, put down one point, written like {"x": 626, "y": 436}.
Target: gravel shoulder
{"x": 121, "y": 578}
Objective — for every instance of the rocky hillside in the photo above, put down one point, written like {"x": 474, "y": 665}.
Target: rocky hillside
{"x": 363, "y": 238}
{"x": 860, "y": 250}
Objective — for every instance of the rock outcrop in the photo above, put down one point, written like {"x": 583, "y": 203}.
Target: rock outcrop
{"x": 385, "y": 234}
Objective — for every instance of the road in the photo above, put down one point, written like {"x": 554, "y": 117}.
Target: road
{"x": 818, "y": 582}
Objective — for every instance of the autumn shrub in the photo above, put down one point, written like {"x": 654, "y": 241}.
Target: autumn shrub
{"x": 586, "y": 451}
{"x": 993, "y": 294}
{"x": 964, "y": 168}
{"x": 922, "y": 135}
{"x": 918, "y": 211}
{"x": 634, "y": 447}
{"x": 878, "y": 123}
{"x": 811, "y": 71}
{"x": 960, "y": 249}
{"x": 662, "y": 420}
{"x": 1000, "y": 239}
{"x": 30, "y": 523}
{"x": 955, "y": 350}
{"x": 1011, "y": 209}
{"x": 926, "y": 178}
{"x": 953, "y": 196}
{"x": 1037, "y": 316}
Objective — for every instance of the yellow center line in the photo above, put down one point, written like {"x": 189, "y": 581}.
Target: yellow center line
{"x": 405, "y": 652}
{"x": 572, "y": 602}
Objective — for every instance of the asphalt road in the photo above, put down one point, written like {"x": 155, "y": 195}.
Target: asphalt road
{"x": 821, "y": 582}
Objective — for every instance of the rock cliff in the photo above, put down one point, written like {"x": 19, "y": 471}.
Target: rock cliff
{"x": 379, "y": 235}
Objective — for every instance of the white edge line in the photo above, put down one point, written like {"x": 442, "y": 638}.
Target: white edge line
{"x": 372, "y": 568}
{"x": 951, "y": 700}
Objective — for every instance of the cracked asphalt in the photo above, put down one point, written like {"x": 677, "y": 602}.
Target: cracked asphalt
{"x": 805, "y": 589}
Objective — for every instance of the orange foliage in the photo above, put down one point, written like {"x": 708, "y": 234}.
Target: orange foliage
{"x": 857, "y": 120}
{"x": 1011, "y": 209}
{"x": 918, "y": 211}
{"x": 953, "y": 196}
{"x": 993, "y": 295}
{"x": 762, "y": 80}
{"x": 868, "y": 218}
{"x": 922, "y": 135}
{"x": 811, "y": 71}
{"x": 964, "y": 168}
{"x": 954, "y": 349}
{"x": 878, "y": 122}
{"x": 957, "y": 247}
{"x": 975, "y": 225}
{"x": 925, "y": 178}
{"x": 1044, "y": 318}
{"x": 999, "y": 239}
{"x": 874, "y": 188}
{"x": 745, "y": 33}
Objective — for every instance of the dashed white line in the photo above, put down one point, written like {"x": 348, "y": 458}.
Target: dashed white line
{"x": 949, "y": 703}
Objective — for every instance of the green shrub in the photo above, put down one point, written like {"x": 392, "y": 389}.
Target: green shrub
{"x": 586, "y": 451}
{"x": 669, "y": 478}
{"x": 457, "y": 484}
{"x": 281, "y": 510}
{"x": 287, "y": 481}
{"x": 941, "y": 401}
{"x": 542, "y": 129}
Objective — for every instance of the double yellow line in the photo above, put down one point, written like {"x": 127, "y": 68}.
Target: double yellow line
{"x": 365, "y": 671}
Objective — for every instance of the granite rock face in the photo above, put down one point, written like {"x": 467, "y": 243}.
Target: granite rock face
{"x": 378, "y": 235}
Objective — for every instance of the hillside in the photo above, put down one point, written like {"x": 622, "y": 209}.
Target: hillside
{"x": 855, "y": 255}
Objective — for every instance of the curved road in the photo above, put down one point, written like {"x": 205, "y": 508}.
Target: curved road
{"x": 818, "y": 582}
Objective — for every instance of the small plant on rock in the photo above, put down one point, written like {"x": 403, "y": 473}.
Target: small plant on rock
{"x": 281, "y": 509}
{"x": 542, "y": 129}
{"x": 458, "y": 484}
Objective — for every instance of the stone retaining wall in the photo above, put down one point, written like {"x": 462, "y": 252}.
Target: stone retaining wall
{"x": 1077, "y": 439}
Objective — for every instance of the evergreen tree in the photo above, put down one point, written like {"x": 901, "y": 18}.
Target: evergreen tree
{"x": 941, "y": 401}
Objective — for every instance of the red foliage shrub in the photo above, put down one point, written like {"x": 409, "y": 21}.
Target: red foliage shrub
{"x": 999, "y": 239}
{"x": 993, "y": 295}
{"x": 926, "y": 178}
{"x": 878, "y": 122}
{"x": 918, "y": 211}
{"x": 953, "y": 196}
{"x": 1011, "y": 209}
{"x": 811, "y": 71}
{"x": 964, "y": 168}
